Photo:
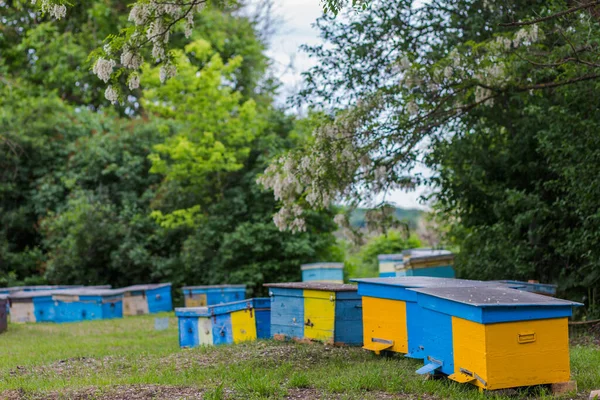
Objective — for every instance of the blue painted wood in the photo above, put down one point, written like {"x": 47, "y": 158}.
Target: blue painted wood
{"x": 446, "y": 271}
{"x": 437, "y": 340}
{"x": 159, "y": 299}
{"x": 415, "y": 324}
{"x": 86, "y": 304}
{"x": 348, "y": 328}
{"x": 387, "y": 274}
{"x": 222, "y": 329}
{"x": 44, "y": 309}
{"x": 188, "y": 331}
{"x": 217, "y": 294}
{"x": 323, "y": 274}
{"x": 262, "y": 309}
{"x": 287, "y": 312}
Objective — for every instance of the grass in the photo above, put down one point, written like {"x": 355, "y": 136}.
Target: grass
{"x": 106, "y": 359}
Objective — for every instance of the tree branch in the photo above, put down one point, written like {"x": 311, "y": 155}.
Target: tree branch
{"x": 549, "y": 17}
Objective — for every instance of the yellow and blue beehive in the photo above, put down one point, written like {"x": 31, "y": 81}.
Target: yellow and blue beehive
{"x": 146, "y": 299}
{"x": 3, "y": 313}
{"x": 392, "y": 320}
{"x": 323, "y": 272}
{"x": 327, "y": 312}
{"x": 209, "y": 295}
{"x": 224, "y": 323}
{"x": 389, "y": 263}
{"x": 426, "y": 262}
{"x": 495, "y": 337}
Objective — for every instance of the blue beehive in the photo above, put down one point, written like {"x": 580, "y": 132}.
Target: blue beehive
{"x": 200, "y": 296}
{"x": 147, "y": 299}
{"x": 323, "y": 272}
{"x": 87, "y": 304}
{"x": 326, "y": 312}
{"x": 3, "y": 313}
{"x": 427, "y": 262}
{"x": 533, "y": 287}
{"x": 224, "y": 323}
{"x": 389, "y": 263}
{"x": 32, "y": 306}
{"x": 392, "y": 319}
{"x": 495, "y": 337}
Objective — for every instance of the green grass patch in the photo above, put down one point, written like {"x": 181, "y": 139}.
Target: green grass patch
{"x": 102, "y": 358}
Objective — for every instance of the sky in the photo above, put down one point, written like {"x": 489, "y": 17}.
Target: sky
{"x": 294, "y": 29}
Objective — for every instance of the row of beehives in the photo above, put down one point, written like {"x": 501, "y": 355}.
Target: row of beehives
{"x": 485, "y": 333}
{"x": 72, "y": 304}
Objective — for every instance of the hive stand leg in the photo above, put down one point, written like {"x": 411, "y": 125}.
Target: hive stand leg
{"x": 564, "y": 387}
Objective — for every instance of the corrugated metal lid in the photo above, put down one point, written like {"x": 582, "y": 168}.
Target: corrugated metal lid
{"x": 329, "y": 287}
{"x": 425, "y": 281}
{"x": 390, "y": 257}
{"x": 323, "y": 265}
{"x": 491, "y": 296}
{"x": 214, "y": 287}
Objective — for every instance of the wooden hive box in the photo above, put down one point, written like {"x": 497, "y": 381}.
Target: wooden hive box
{"x": 388, "y": 263}
{"x": 87, "y": 304}
{"x": 392, "y": 320}
{"x": 425, "y": 262}
{"x": 224, "y": 323}
{"x": 495, "y": 338}
{"x": 534, "y": 287}
{"x": 323, "y": 272}
{"x": 200, "y": 296}
{"x": 147, "y": 299}
{"x": 3, "y": 313}
{"x": 32, "y": 306}
{"x": 327, "y": 312}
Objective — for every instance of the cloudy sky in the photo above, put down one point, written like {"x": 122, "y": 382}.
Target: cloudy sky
{"x": 295, "y": 29}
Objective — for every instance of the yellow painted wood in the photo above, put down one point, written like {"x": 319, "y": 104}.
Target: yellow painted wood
{"x": 195, "y": 300}
{"x": 516, "y": 360}
{"x": 385, "y": 319}
{"x": 243, "y": 325}
{"x": 319, "y": 314}
{"x": 512, "y": 354}
{"x": 205, "y": 329}
{"x": 469, "y": 344}
{"x": 135, "y": 305}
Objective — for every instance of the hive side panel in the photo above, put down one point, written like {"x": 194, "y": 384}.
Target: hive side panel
{"x": 195, "y": 299}
{"x": 159, "y": 300}
{"x": 385, "y": 321}
{"x": 135, "y": 305}
{"x": 437, "y": 340}
{"x": 319, "y": 315}
{"x": 263, "y": 323}
{"x": 527, "y": 353}
{"x": 243, "y": 325}
{"x": 45, "y": 310}
{"x": 287, "y": 314}
{"x": 469, "y": 343}
{"x": 205, "y": 331}
{"x": 415, "y": 324}
{"x": 348, "y": 320}
{"x": 3, "y": 316}
{"x": 112, "y": 309}
{"x": 437, "y": 272}
{"x": 222, "y": 332}
{"x": 188, "y": 332}
{"x": 22, "y": 312}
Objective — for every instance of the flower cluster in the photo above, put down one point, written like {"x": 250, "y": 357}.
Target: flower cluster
{"x": 57, "y": 11}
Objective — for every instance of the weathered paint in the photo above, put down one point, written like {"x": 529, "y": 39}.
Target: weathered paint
{"x": 316, "y": 311}
{"x": 200, "y": 296}
{"x": 87, "y": 304}
{"x": 147, "y": 299}
{"x": 393, "y": 320}
{"x": 494, "y": 337}
{"x": 223, "y": 323}
{"x": 3, "y": 313}
{"x": 323, "y": 272}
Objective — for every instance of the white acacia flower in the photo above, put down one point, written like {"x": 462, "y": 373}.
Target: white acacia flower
{"x": 130, "y": 59}
{"x": 412, "y": 108}
{"x": 111, "y": 94}
{"x": 167, "y": 71}
{"x": 448, "y": 72}
{"x": 139, "y": 14}
{"x": 58, "y": 11}
{"x": 134, "y": 82}
{"x": 104, "y": 68}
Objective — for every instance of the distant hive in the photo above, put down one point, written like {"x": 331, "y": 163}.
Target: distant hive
{"x": 224, "y": 323}
{"x": 32, "y": 306}
{"x": 87, "y": 304}
{"x": 389, "y": 263}
{"x": 3, "y": 313}
{"x": 534, "y": 287}
{"x": 208, "y": 295}
{"x": 323, "y": 272}
{"x": 147, "y": 299}
{"x": 495, "y": 338}
{"x": 327, "y": 312}
{"x": 427, "y": 262}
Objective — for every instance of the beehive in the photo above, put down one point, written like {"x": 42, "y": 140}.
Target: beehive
{"x": 388, "y": 264}
{"x": 200, "y": 296}
{"x": 425, "y": 262}
{"x": 147, "y": 299}
{"x": 392, "y": 320}
{"x": 326, "y": 312}
{"x": 224, "y": 323}
{"x": 3, "y": 313}
{"x": 323, "y": 272}
{"x": 87, "y": 304}
{"x": 534, "y": 287}
{"x": 32, "y": 306}
{"x": 494, "y": 337}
